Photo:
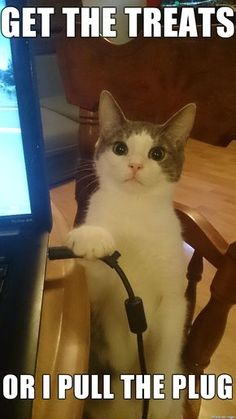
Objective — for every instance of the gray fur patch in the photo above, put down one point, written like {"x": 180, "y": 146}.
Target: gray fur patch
{"x": 172, "y": 164}
{"x": 173, "y": 161}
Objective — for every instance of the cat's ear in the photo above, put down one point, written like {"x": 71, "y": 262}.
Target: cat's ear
{"x": 179, "y": 126}
{"x": 109, "y": 113}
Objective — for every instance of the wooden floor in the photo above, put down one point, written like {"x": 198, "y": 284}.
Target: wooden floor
{"x": 208, "y": 184}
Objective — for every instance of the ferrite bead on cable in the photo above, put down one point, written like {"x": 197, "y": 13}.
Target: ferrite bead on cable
{"x": 136, "y": 315}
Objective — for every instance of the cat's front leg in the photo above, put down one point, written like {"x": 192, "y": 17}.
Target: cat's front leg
{"x": 91, "y": 242}
{"x": 166, "y": 354}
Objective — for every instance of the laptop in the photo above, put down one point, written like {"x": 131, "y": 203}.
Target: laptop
{"x": 25, "y": 219}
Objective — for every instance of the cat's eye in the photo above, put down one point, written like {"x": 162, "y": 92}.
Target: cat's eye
{"x": 156, "y": 153}
{"x": 120, "y": 148}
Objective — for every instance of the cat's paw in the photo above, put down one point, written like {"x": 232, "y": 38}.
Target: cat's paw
{"x": 91, "y": 242}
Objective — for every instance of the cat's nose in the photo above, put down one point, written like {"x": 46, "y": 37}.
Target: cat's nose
{"x": 135, "y": 167}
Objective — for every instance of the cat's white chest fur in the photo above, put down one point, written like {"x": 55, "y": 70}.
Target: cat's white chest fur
{"x": 147, "y": 234}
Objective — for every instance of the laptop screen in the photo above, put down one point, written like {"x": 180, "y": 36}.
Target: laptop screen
{"x": 14, "y": 190}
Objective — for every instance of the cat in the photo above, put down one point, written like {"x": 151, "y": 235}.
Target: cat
{"x": 137, "y": 165}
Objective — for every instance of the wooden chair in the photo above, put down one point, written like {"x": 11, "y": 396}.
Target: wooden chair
{"x": 146, "y": 76}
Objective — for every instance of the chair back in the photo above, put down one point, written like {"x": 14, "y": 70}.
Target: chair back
{"x": 152, "y": 78}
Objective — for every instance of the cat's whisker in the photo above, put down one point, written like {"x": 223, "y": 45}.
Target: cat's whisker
{"x": 81, "y": 168}
{"x": 85, "y": 169}
{"x": 86, "y": 158}
{"x": 94, "y": 181}
{"x": 91, "y": 162}
{"x": 86, "y": 161}
{"x": 88, "y": 176}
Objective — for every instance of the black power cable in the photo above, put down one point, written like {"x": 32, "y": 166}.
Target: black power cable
{"x": 133, "y": 305}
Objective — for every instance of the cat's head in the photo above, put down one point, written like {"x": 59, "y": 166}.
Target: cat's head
{"x": 136, "y": 156}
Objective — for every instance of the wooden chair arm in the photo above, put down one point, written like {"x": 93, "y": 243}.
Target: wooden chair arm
{"x": 65, "y": 330}
{"x": 201, "y": 235}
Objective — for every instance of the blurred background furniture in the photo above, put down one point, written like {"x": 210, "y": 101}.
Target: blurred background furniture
{"x": 146, "y": 76}
{"x": 154, "y": 77}
{"x": 59, "y": 118}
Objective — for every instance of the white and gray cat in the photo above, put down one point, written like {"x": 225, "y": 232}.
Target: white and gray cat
{"x": 137, "y": 165}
